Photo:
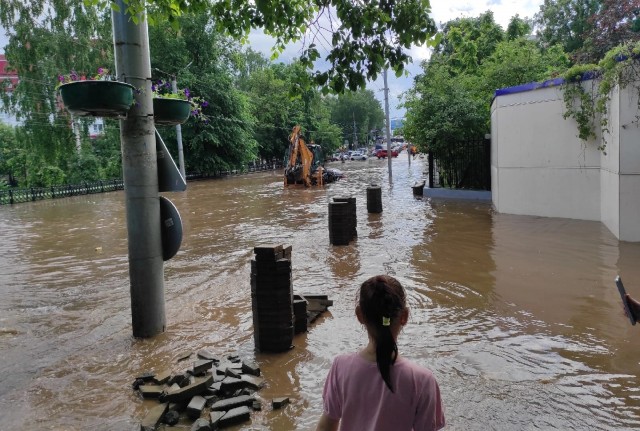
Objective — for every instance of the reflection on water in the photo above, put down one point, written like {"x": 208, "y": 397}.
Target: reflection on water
{"x": 518, "y": 317}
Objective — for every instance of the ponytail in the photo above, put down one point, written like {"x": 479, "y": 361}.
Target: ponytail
{"x": 382, "y": 299}
{"x": 386, "y": 353}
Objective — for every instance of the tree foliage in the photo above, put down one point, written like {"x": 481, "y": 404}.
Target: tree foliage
{"x": 356, "y": 113}
{"x": 450, "y": 101}
{"x": 201, "y": 60}
{"x": 360, "y": 38}
{"x": 566, "y": 22}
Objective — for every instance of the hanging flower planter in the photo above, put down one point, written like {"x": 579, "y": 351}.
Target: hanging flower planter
{"x": 170, "y": 112}
{"x": 97, "y": 98}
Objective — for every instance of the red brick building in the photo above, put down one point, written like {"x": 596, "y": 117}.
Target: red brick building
{"x": 7, "y": 73}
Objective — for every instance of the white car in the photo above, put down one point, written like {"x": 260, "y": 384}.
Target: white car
{"x": 357, "y": 155}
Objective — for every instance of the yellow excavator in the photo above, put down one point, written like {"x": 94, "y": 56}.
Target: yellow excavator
{"x": 304, "y": 163}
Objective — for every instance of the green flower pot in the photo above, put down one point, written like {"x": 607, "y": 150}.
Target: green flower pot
{"x": 97, "y": 98}
{"x": 170, "y": 112}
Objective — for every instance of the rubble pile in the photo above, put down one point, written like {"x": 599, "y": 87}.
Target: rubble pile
{"x": 214, "y": 393}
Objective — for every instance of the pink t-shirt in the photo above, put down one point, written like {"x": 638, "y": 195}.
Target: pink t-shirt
{"x": 356, "y": 394}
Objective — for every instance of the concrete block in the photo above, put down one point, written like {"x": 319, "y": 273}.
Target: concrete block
{"x": 181, "y": 380}
{"x": 231, "y": 384}
{"x": 278, "y": 403}
{"x": 215, "y": 419}
{"x": 162, "y": 377}
{"x": 249, "y": 367}
{"x": 184, "y": 356}
{"x": 195, "y": 406}
{"x": 205, "y": 354}
{"x": 234, "y": 358}
{"x": 256, "y": 406}
{"x": 145, "y": 376}
{"x": 235, "y": 416}
{"x": 201, "y": 366}
{"x": 151, "y": 391}
{"x": 153, "y": 417}
{"x": 230, "y": 403}
{"x": 252, "y": 381}
{"x": 232, "y": 372}
{"x": 201, "y": 425}
{"x": 200, "y": 385}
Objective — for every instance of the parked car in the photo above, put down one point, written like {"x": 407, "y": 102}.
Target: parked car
{"x": 335, "y": 157}
{"x": 381, "y": 154}
{"x": 357, "y": 155}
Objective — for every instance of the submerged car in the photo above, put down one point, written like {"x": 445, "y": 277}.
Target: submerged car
{"x": 381, "y": 154}
{"x": 357, "y": 155}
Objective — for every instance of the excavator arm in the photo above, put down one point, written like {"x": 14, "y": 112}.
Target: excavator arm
{"x": 300, "y": 161}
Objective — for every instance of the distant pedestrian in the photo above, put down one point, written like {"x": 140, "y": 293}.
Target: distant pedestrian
{"x": 376, "y": 389}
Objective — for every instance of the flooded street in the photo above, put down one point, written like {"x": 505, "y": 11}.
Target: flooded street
{"x": 518, "y": 317}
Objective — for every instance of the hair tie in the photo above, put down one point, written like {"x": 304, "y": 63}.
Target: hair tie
{"x": 386, "y": 321}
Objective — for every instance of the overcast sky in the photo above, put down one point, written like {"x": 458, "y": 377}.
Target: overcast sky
{"x": 442, "y": 11}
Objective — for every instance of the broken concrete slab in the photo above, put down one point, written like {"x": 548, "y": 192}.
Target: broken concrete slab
{"x": 205, "y": 354}
{"x": 235, "y": 416}
{"x": 232, "y": 372}
{"x": 201, "y": 366}
{"x": 162, "y": 377}
{"x": 231, "y": 384}
{"x": 145, "y": 376}
{"x": 184, "y": 355}
{"x": 153, "y": 417}
{"x": 196, "y": 406}
{"x": 181, "y": 380}
{"x": 252, "y": 381}
{"x": 200, "y": 385}
{"x": 249, "y": 367}
{"x": 150, "y": 391}
{"x": 201, "y": 425}
{"x": 230, "y": 403}
{"x": 215, "y": 418}
{"x": 278, "y": 403}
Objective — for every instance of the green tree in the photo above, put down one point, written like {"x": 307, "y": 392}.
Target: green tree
{"x": 566, "y": 22}
{"x": 467, "y": 42}
{"x": 43, "y": 43}
{"x": 518, "y": 28}
{"x": 11, "y": 155}
{"x": 520, "y": 61}
{"x": 450, "y": 101}
{"x": 442, "y": 110}
{"x": 365, "y": 37}
{"x": 357, "y": 113}
{"x": 614, "y": 23}
{"x": 202, "y": 61}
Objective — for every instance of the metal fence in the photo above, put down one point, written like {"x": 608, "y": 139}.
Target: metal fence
{"x": 32, "y": 194}
{"x": 463, "y": 165}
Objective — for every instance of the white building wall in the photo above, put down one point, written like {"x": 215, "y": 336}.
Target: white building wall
{"x": 540, "y": 167}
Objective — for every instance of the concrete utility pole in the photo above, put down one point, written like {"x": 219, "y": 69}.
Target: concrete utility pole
{"x": 355, "y": 136}
{"x": 139, "y": 164}
{"x": 174, "y": 87}
{"x": 388, "y": 127}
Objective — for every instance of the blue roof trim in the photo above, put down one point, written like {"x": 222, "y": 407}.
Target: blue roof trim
{"x": 536, "y": 85}
{"x": 529, "y": 87}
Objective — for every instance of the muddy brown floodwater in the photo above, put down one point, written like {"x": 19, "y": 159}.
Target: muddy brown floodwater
{"x": 518, "y": 317}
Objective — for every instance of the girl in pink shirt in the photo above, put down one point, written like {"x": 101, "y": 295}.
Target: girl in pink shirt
{"x": 375, "y": 389}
